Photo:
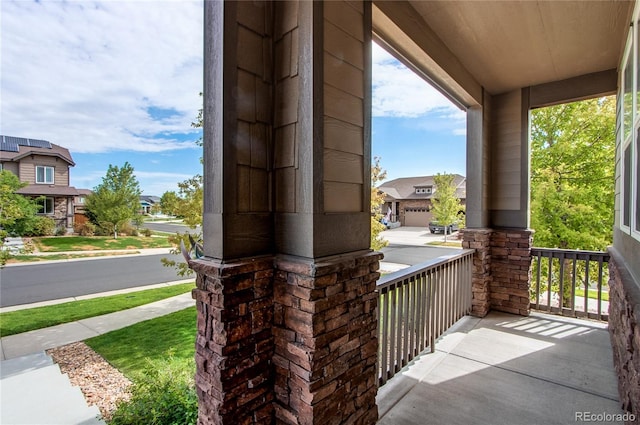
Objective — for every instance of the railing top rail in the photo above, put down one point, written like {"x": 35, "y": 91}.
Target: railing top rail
{"x": 391, "y": 278}
{"x": 557, "y": 252}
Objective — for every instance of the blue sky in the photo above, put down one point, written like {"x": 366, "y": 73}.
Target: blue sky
{"x": 118, "y": 81}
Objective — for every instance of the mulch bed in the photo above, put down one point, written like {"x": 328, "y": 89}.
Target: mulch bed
{"x": 102, "y": 384}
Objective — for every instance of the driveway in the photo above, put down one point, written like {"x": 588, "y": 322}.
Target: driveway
{"x": 407, "y": 246}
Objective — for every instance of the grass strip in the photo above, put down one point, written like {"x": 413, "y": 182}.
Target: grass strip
{"x": 131, "y": 349}
{"x": 456, "y": 244}
{"x": 593, "y": 294}
{"x": 35, "y": 258}
{"x": 89, "y": 243}
{"x": 19, "y": 321}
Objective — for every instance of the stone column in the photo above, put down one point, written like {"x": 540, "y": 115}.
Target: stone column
{"x": 480, "y": 240}
{"x": 511, "y": 270}
{"x": 325, "y": 328}
{"x": 234, "y": 344}
{"x": 624, "y": 330}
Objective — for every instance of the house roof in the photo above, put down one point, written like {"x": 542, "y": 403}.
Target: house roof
{"x": 404, "y": 188}
{"x": 47, "y": 190}
{"x": 150, "y": 199}
{"x": 84, "y": 192}
{"x": 16, "y": 148}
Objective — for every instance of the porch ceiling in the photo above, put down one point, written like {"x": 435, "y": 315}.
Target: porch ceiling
{"x": 506, "y": 45}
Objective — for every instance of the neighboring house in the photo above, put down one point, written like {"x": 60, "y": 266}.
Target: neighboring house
{"x": 409, "y": 198}
{"x": 147, "y": 203}
{"x": 78, "y": 206}
{"x": 45, "y": 167}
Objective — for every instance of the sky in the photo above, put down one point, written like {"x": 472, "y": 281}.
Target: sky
{"x": 118, "y": 80}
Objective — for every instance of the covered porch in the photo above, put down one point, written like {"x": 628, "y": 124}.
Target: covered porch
{"x": 288, "y": 306}
{"x": 508, "y": 369}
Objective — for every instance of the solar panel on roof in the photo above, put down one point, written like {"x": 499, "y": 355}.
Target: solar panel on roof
{"x": 39, "y": 143}
{"x": 11, "y": 144}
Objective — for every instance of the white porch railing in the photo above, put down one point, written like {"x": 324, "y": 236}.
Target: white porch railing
{"x": 417, "y": 305}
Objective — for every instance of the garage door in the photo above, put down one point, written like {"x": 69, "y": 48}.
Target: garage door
{"x": 416, "y": 217}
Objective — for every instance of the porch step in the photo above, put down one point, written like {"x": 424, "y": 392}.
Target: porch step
{"x": 34, "y": 391}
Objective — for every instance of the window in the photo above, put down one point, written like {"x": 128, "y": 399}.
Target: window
{"x": 45, "y": 205}
{"x": 629, "y": 133}
{"x": 423, "y": 189}
{"x": 44, "y": 175}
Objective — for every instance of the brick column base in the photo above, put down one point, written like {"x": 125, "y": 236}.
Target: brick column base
{"x": 234, "y": 344}
{"x": 326, "y": 344}
{"x": 511, "y": 270}
{"x": 479, "y": 239}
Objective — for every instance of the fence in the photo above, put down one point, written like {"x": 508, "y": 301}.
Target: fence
{"x": 417, "y": 305}
{"x": 570, "y": 283}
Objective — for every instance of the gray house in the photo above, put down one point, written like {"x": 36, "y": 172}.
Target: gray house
{"x": 286, "y": 292}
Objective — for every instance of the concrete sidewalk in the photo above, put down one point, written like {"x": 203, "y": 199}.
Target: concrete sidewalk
{"x": 26, "y": 343}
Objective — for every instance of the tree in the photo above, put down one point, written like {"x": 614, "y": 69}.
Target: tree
{"x": 572, "y": 180}
{"x": 13, "y": 208}
{"x": 572, "y": 174}
{"x": 116, "y": 200}
{"x": 377, "y": 199}
{"x": 445, "y": 204}
{"x": 169, "y": 202}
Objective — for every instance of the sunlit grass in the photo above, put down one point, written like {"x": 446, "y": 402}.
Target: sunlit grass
{"x": 19, "y": 321}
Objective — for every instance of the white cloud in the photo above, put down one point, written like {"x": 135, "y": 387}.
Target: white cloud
{"x": 83, "y": 74}
{"x": 399, "y": 92}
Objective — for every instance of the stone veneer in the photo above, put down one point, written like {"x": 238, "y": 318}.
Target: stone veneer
{"x": 624, "y": 329}
{"x": 287, "y": 340}
{"x": 326, "y": 345}
{"x": 511, "y": 270}
{"x": 234, "y": 343}
{"x": 501, "y": 269}
{"x": 479, "y": 239}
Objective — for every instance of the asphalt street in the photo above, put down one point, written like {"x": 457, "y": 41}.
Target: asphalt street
{"x": 42, "y": 282}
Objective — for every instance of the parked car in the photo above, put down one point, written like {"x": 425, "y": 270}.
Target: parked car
{"x": 435, "y": 227}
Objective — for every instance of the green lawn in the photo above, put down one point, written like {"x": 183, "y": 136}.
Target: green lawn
{"x": 130, "y": 349}
{"x": 90, "y": 243}
{"x": 593, "y": 294}
{"x": 36, "y": 258}
{"x": 15, "y": 322}
{"x": 454, "y": 244}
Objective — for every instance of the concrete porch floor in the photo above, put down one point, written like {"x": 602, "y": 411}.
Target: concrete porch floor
{"x": 506, "y": 369}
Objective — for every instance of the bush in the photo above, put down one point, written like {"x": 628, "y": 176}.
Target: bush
{"x": 163, "y": 394}
{"x": 33, "y": 226}
{"x": 61, "y": 231}
{"x": 85, "y": 229}
{"x": 146, "y": 232}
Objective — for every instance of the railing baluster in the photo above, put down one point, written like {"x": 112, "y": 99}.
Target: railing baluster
{"x": 573, "y": 287}
{"x": 586, "y": 287}
{"x": 539, "y": 267}
{"x": 550, "y": 263}
{"x": 600, "y": 288}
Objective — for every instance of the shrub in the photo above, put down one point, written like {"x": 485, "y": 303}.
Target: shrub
{"x": 34, "y": 226}
{"x": 61, "y": 231}
{"x": 85, "y": 229}
{"x": 146, "y": 232}
{"x": 163, "y": 394}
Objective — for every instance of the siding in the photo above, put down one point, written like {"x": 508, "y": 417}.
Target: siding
{"x": 344, "y": 100}
{"x": 27, "y": 169}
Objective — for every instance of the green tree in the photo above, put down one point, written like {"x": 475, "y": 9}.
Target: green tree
{"x": 572, "y": 180}
{"x": 116, "y": 200}
{"x": 13, "y": 208}
{"x": 377, "y": 199}
{"x": 169, "y": 202}
{"x": 572, "y": 174}
{"x": 445, "y": 204}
